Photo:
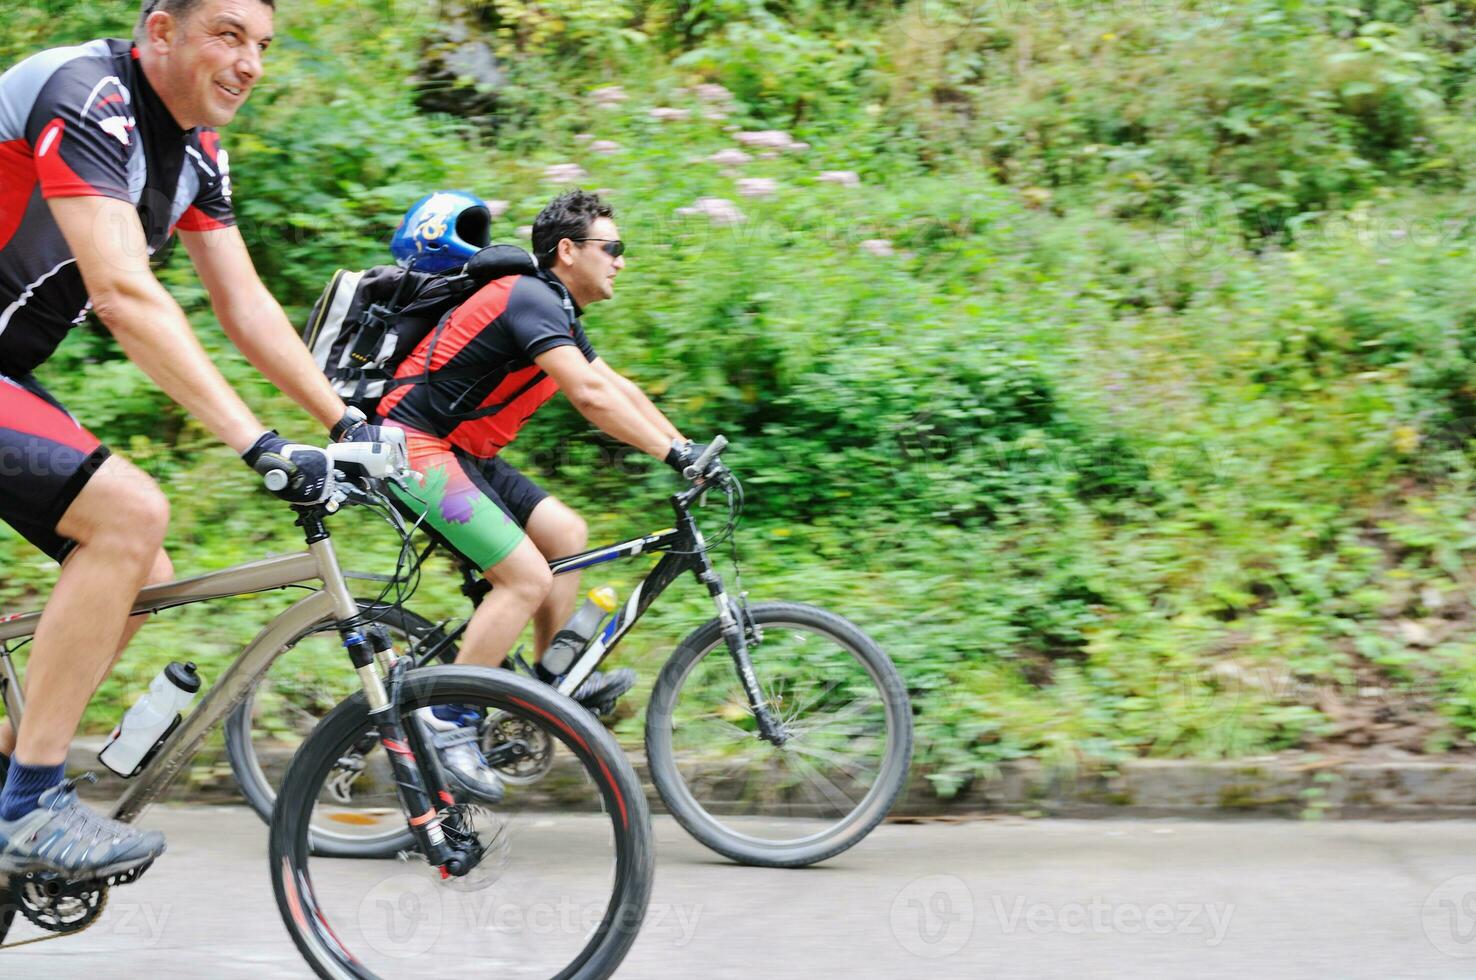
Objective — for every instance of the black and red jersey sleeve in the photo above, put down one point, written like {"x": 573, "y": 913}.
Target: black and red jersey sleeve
{"x": 211, "y": 207}
{"x": 81, "y": 130}
{"x": 536, "y": 319}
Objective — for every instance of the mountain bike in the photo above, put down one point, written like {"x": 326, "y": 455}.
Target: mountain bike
{"x": 777, "y": 734}
{"x": 457, "y": 852}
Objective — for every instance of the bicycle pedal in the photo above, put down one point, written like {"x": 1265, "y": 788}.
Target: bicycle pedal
{"x": 130, "y": 876}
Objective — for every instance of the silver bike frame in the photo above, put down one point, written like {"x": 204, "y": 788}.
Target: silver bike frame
{"x": 333, "y": 602}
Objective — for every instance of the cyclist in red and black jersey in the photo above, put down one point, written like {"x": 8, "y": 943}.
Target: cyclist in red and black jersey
{"x": 501, "y": 355}
{"x": 106, "y": 150}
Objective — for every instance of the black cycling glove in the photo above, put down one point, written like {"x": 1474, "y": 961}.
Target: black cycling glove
{"x": 680, "y": 456}
{"x": 306, "y": 467}
{"x": 354, "y": 427}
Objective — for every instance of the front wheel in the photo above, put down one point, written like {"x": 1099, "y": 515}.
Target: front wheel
{"x": 844, "y": 761}
{"x": 563, "y": 869}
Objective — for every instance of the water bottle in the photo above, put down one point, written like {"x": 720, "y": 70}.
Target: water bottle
{"x": 152, "y": 717}
{"x": 585, "y": 622}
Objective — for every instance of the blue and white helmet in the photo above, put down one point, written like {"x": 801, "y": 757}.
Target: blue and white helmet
{"x": 441, "y": 231}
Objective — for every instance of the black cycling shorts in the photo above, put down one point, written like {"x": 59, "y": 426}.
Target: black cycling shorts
{"x": 46, "y": 458}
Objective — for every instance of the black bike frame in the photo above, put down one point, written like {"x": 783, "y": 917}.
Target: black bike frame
{"x": 683, "y": 549}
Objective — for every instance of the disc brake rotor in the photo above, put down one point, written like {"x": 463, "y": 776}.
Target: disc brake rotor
{"x": 471, "y": 825}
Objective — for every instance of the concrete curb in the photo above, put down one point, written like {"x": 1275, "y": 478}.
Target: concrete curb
{"x": 1270, "y": 786}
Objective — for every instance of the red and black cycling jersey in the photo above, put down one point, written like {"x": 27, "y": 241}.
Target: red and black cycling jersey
{"x": 484, "y": 383}
{"x": 83, "y": 122}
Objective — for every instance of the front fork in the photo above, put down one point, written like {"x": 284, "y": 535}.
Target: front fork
{"x": 736, "y": 630}
{"x": 416, "y": 766}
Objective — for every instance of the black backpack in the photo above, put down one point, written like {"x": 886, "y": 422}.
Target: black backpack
{"x": 366, "y": 323}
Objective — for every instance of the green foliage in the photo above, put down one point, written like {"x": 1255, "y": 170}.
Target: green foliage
{"x": 1127, "y": 400}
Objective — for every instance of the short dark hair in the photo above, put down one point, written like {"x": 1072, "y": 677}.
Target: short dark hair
{"x": 567, "y": 216}
{"x": 178, "y": 9}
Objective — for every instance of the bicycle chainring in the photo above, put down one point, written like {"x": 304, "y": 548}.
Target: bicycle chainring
{"x": 537, "y": 758}
{"x": 52, "y": 903}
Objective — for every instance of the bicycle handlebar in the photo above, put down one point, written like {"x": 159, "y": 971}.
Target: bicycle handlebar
{"x": 386, "y": 460}
{"x": 699, "y": 467}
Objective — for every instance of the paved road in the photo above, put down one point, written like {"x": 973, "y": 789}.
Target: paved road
{"x": 996, "y": 898}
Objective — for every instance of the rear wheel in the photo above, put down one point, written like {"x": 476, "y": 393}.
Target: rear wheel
{"x": 564, "y": 870}
{"x": 835, "y": 777}
{"x": 306, "y": 680}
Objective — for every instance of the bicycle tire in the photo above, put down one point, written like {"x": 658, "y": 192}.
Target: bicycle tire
{"x": 604, "y": 765}
{"x": 405, "y": 628}
{"x": 713, "y": 832}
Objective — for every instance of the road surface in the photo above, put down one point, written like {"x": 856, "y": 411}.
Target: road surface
{"x": 990, "y": 899}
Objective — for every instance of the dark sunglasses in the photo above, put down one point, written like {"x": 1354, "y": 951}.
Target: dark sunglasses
{"x": 613, "y": 247}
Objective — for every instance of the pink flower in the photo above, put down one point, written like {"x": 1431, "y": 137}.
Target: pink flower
{"x": 879, "y": 247}
{"x": 717, "y": 210}
{"x": 583, "y": 137}
{"x": 757, "y": 187}
{"x": 564, "y": 173}
{"x": 845, "y": 178}
{"x": 605, "y": 146}
{"x": 767, "y": 139}
{"x": 609, "y": 96}
{"x": 731, "y": 157}
{"x": 668, "y": 114}
{"x": 497, "y": 208}
{"x": 714, "y": 93}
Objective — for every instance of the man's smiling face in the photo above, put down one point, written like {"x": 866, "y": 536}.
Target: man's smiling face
{"x": 210, "y": 59}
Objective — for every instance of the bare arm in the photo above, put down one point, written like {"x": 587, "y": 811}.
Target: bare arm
{"x": 598, "y": 399}
{"x": 639, "y": 399}
{"x": 112, "y": 253}
{"x": 255, "y": 323}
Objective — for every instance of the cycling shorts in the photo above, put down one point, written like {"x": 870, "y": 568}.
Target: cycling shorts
{"x": 46, "y": 458}
{"x": 478, "y": 507}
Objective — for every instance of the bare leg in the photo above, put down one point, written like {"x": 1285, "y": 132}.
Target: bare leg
{"x": 520, "y": 584}
{"x": 161, "y": 572}
{"x": 557, "y": 531}
{"x": 118, "y": 520}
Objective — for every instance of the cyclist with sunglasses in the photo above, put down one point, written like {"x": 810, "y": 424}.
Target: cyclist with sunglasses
{"x": 499, "y": 356}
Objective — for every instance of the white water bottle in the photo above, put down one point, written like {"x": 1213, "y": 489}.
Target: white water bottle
{"x": 571, "y": 640}
{"x": 151, "y": 719}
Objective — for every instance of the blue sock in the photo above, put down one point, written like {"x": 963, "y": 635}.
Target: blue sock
{"x": 23, "y": 787}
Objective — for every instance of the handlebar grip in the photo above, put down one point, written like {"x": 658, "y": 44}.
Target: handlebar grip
{"x": 699, "y": 467}
{"x": 275, "y": 480}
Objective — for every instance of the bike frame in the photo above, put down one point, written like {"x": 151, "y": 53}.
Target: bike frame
{"x": 332, "y": 602}
{"x": 683, "y": 549}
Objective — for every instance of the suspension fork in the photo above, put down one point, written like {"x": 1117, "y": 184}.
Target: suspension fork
{"x": 411, "y": 759}
{"x": 735, "y": 633}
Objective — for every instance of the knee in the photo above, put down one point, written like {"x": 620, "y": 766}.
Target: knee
{"x": 576, "y": 533}
{"x": 566, "y": 534}
{"x": 136, "y": 521}
{"x": 162, "y": 571}
{"x": 526, "y": 581}
{"x": 144, "y": 512}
